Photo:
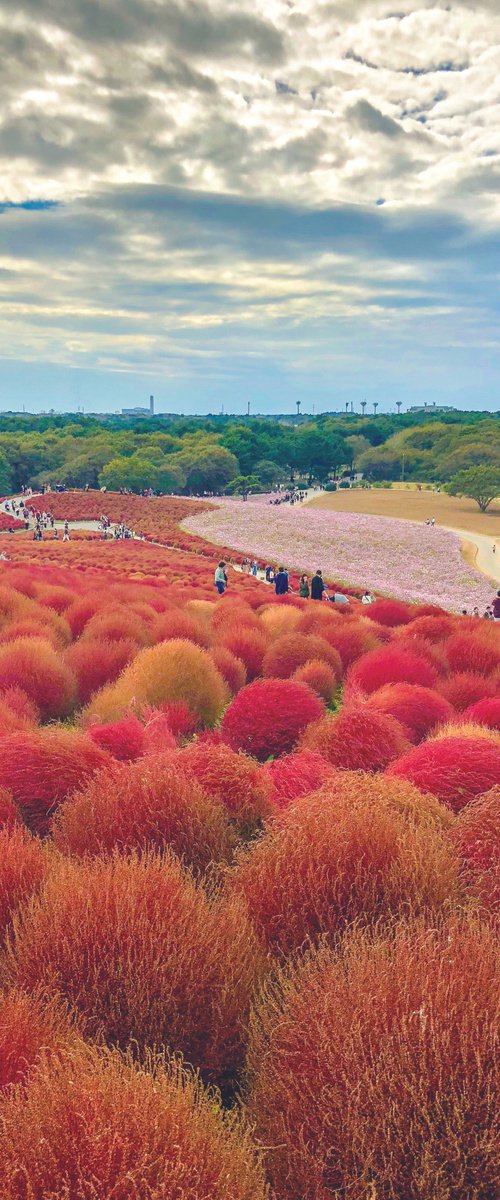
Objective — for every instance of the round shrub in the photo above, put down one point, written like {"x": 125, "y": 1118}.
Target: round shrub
{"x": 279, "y": 619}
{"x": 97, "y": 662}
{"x": 249, "y": 645}
{"x": 485, "y": 712}
{"x": 268, "y": 716}
{"x": 80, "y": 613}
{"x": 348, "y": 851}
{"x": 371, "y": 1071}
{"x": 181, "y": 721}
{"x": 390, "y": 664}
{"x": 455, "y": 769}
{"x": 476, "y": 834}
{"x": 28, "y": 1030}
{"x": 419, "y": 709}
{"x": 464, "y": 689}
{"x": 292, "y": 651}
{"x": 21, "y": 705}
{"x": 473, "y": 652}
{"x": 123, "y": 739}
{"x": 295, "y": 775}
{"x": 178, "y": 624}
{"x": 22, "y": 869}
{"x": 357, "y": 739}
{"x": 175, "y": 670}
{"x": 319, "y": 677}
{"x": 352, "y": 639}
{"x": 95, "y": 1125}
{"x": 43, "y": 766}
{"x": 116, "y": 625}
{"x": 35, "y": 666}
{"x": 144, "y": 957}
{"x": 429, "y": 628}
{"x": 390, "y": 612}
{"x": 149, "y": 804}
{"x": 231, "y": 668}
{"x": 231, "y": 777}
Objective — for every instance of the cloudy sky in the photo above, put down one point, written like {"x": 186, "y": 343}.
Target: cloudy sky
{"x": 229, "y": 200}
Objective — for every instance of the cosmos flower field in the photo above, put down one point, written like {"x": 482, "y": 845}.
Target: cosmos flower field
{"x": 249, "y": 884}
{"x": 399, "y": 558}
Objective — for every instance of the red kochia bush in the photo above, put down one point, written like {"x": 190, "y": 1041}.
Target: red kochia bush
{"x": 390, "y": 612}
{"x": 473, "y": 652}
{"x": 485, "y": 712}
{"x": 352, "y": 639}
{"x": 144, "y": 956}
{"x": 27, "y": 1030}
{"x": 97, "y": 662}
{"x": 429, "y": 628}
{"x": 390, "y": 664}
{"x": 465, "y": 688}
{"x": 35, "y": 666}
{"x": 268, "y": 716}
{"x": 148, "y": 804}
{"x": 371, "y": 1071}
{"x": 297, "y": 774}
{"x": 180, "y": 719}
{"x": 22, "y": 868}
{"x": 230, "y": 777}
{"x": 158, "y": 736}
{"x": 419, "y": 709}
{"x": 94, "y": 1125}
{"x": 232, "y": 669}
{"x": 357, "y": 739}
{"x": 43, "y": 766}
{"x": 319, "y": 677}
{"x": 455, "y": 769}
{"x": 292, "y": 651}
{"x": 353, "y": 849}
{"x": 247, "y": 644}
{"x": 123, "y": 739}
{"x": 10, "y": 816}
{"x": 476, "y": 833}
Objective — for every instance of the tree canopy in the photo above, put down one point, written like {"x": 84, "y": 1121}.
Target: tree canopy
{"x": 481, "y": 484}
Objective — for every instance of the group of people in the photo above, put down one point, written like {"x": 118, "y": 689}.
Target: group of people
{"x": 291, "y": 497}
{"x": 309, "y": 589}
{"x": 491, "y": 612}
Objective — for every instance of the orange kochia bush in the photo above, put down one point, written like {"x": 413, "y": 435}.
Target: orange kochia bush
{"x": 144, "y": 956}
{"x": 22, "y": 868}
{"x": 357, "y": 738}
{"x": 35, "y": 666}
{"x": 372, "y": 1068}
{"x": 29, "y": 1029}
{"x": 175, "y": 670}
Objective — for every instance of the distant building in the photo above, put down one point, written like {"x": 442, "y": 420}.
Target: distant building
{"x": 417, "y": 408}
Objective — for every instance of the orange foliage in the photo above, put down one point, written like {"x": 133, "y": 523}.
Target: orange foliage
{"x": 33, "y": 665}
{"x": 357, "y": 739}
{"x": 175, "y": 670}
{"x": 292, "y": 651}
{"x": 22, "y": 868}
{"x": 232, "y": 778}
{"x": 43, "y": 766}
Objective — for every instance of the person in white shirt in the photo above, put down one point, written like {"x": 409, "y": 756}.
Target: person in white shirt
{"x": 367, "y": 598}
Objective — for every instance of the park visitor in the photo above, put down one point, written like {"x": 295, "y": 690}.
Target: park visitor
{"x": 496, "y": 607}
{"x": 281, "y": 584}
{"x": 338, "y": 598}
{"x": 304, "y": 587}
{"x": 318, "y": 586}
{"x": 367, "y": 598}
{"x": 220, "y": 578}
{"x": 254, "y": 566}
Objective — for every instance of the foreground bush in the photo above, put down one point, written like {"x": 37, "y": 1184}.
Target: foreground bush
{"x": 358, "y": 848}
{"x": 372, "y": 1070}
{"x": 43, "y": 766}
{"x": 175, "y": 670}
{"x": 295, "y": 775}
{"x": 268, "y": 716}
{"x": 22, "y": 869}
{"x": 28, "y": 1029}
{"x": 357, "y": 739}
{"x": 35, "y": 666}
{"x": 9, "y": 812}
{"x": 149, "y": 804}
{"x": 485, "y": 712}
{"x": 96, "y": 1126}
{"x": 455, "y": 769}
{"x": 144, "y": 957}
{"x": 476, "y": 833}
{"x": 231, "y": 778}
{"x": 123, "y": 739}
{"x": 465, "y": 688}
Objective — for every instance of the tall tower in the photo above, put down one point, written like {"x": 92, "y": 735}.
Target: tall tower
{"x": 375, "y": 406}
{"x": 363, "y": 406}
{"x": 398, "y": 406}
{"x": 152, "y": 405}
{"x": 347, "y": 406}
{"x": 248, "y": 409}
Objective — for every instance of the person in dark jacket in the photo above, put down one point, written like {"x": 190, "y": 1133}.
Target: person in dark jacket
{"x": 281, "y": 584}
{"x": 318, "y": 586}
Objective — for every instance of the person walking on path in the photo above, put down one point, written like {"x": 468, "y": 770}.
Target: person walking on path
{"x": 220, "y": 578}
{"x": 304, "y": 587}
{"x": 281, "y": 583}
{"x": 318, "y": 586}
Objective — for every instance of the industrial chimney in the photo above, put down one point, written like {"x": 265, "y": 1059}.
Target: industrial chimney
{"x": 152, "y": 405}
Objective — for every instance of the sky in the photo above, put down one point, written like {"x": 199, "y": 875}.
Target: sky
{"x": 249, "y": 200}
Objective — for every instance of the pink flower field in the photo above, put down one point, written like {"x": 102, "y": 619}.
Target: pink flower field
{"x": 400, "y": 558}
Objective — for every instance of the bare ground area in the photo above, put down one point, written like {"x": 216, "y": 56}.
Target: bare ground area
{"x": 411, "y": 505}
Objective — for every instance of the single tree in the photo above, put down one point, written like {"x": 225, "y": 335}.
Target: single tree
{"x": 481, "y": 484}
{"x": 243, "y": 485}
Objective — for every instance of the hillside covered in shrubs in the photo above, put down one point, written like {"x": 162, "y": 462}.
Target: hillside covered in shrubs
{"x": 249, "y": 885}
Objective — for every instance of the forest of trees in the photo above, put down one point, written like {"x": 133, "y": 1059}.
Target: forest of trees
{"x": 196, "y": 455}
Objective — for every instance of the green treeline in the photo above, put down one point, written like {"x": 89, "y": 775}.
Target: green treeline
{"x": 193, "y": 455}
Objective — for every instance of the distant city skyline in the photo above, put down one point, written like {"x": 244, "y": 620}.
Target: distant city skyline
{"x": 279, "y": 201}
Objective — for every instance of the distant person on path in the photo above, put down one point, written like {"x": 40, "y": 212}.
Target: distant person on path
{"x": 220, "y": 578}
{"x": 304, "y": 590}
{"x": 254, "y": 566}
{"x": 66, "y": 532}
{"x": 318, "y": 586}
{"x": 281, "y": 582}
{"x": 496, "y": 607}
